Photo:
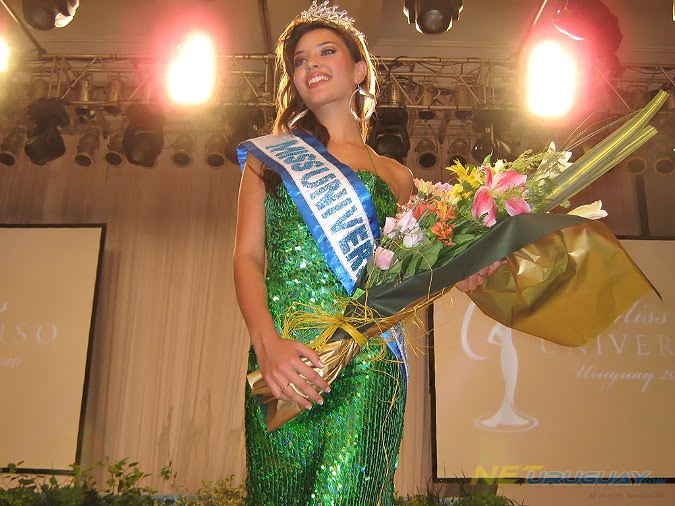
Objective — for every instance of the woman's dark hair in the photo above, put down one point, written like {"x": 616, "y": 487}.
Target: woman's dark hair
{"x": 288, "y": 101}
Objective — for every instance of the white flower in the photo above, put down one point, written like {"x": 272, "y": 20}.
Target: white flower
{"x": 498, "y": 166}
{"x": 592, "y": 211}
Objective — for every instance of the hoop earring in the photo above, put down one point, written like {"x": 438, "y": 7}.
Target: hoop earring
{"x": 297, "y": 118}
{"x": 352, "y": 103}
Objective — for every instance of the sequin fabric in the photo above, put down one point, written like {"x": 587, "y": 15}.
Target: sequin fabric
{"x": 346, "y": 451}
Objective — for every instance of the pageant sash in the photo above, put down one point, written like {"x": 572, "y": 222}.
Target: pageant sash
{"x": 333, "y": 201}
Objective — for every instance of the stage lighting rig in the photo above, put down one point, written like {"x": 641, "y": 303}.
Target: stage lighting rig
{"x": 593, "y": 21}
{"x": 491, "y": 126}
{"x": 390, "y": 135}
{"x": 115, "y": 153}
{"x": 427, "y": 153}
{"x": 144, "y": 136}
{"x": 458, "y": 151}
{"x": 86, "y": 149}
{"x": 48, "y": 14}
{"x": 215, "y": 150}
{"x": 183, "y": 147}
{"x": 10, "y": 148}
{"x": 44, "y": 142}
{"x": 244, "y": 122}
{"x": 432, "y": 16}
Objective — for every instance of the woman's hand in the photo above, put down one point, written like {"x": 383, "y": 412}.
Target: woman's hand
{"x": 288, "y": 377}
{"x": 477, "y": 279}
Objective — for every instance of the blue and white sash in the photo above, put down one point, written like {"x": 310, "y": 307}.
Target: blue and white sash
{"x": 331, "y": 198}
{"x": 333, "y": 201}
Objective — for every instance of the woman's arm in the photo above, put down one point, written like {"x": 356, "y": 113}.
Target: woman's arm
{"x": 279, "y": 359}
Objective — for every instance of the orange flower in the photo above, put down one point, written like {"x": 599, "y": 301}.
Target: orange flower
{"x": 421, "y": 207}
{"x": 443, "y": 231}
{"x": 445, "y": 211}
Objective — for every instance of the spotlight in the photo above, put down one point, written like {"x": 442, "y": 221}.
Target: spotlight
{"x": 491, "y": 125}
{"x": 390, "y": 136}
{"x": 592, "y": 20}
{"x": 395, "y": 95}
{"x": 663, "y": 151}
{"x": 86, "y": 149}
{"x": 10, "y": 148}
{"x": 44, "y": 141}
{"x": 427, "y": 98}
{"x": 144, "y": 137}
{"x": 636, "y": 164}
{"x": 664, "y": 165}
{"x": 48, "y": 14}
{"x": 244, "y": 122}
{"x": 182, "y": 151}
{"x": 114, "y": 156}
{"x": 488, "y": 144}
{"x": 215, "y": 150}
{"x": 432, "y": 16}
{"x": 464, "y": 101}
{"x": 458, "y": 152}
{"x": 113, "y": 96}
{"x": 84, "y": 98}
{"x": 427, "y": 153}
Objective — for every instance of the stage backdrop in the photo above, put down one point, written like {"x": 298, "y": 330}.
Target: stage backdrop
{"x": 47, "y": 287}
{"x": 509, "y": 405}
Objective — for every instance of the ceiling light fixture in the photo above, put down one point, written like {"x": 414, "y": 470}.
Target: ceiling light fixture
{"x": 115, "y": 154}
{"x": 183, "y": 147}
{"x": 244, "y": 123}
{"x": 48, "y": 14}
{"x": 144, "y": 136}
{"x": 215, "y": 150}
{"x": 427, "y": 153}
{"x": 459, "y": 151}
{"x": 10, "y": 148}
{"x": 86, "y": 149}
{"x": 389, "y": 136}
{"x": 432, "y": 16}
{"x": 44, "y": 141}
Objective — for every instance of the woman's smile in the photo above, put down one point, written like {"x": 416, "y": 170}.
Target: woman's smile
{"x": 316, "y": 79}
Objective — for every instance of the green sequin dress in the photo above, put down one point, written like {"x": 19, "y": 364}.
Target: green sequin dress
{"x": 346, "y": 451}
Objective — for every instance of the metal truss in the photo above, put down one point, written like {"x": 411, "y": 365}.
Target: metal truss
{"x": 440, "y": 94}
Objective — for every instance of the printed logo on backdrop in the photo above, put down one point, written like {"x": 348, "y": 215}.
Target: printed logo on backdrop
{"x": 640, "y": 332}
{"x": 15, "y": 337}
{"x": 506, "y": 418}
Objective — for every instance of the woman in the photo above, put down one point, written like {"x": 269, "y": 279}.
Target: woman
{"x": 343, "y": 449}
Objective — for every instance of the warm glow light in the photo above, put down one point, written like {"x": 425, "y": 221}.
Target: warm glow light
{"x": 192, "y": 74}
{"x": 4, "y": 55}
{"x": 551, "y": 80}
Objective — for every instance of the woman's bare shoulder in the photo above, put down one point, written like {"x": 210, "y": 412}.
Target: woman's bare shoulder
{"x": 402, "y": 177}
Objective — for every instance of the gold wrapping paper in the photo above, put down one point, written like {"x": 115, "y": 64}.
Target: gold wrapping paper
{"x": 334, "y": 355}
{"x": 565, "y": 288}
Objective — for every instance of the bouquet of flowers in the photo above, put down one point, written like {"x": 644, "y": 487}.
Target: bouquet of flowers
{"x": 566, "y": 278}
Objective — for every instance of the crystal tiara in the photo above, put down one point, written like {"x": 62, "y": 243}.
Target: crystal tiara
{"x": 331, "y": 14}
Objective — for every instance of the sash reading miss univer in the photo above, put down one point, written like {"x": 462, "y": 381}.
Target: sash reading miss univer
{"x": 333, "y": 201}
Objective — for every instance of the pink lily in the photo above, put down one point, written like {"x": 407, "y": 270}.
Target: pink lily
{"x": 484, "y": 206}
